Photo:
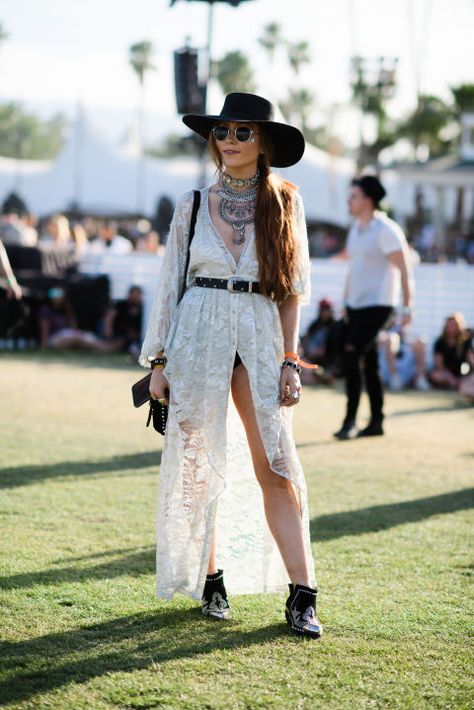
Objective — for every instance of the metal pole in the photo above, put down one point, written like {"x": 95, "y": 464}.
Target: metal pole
{"x": 210, "y": 22}
{"x": 140, "y": 201}
{"x": 78, "y": 165}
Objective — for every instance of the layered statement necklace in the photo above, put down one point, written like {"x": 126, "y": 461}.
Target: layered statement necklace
{"x": 237, "y": 206}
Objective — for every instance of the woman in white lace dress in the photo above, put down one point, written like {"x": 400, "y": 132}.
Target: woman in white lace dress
{"x": 233, "y": 495}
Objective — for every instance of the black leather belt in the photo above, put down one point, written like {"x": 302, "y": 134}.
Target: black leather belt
{"x": 232, "y": 284}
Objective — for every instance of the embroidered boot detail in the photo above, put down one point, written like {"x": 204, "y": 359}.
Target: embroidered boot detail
{"x": 300, "y": 611}
{"x": 214, "y": 598}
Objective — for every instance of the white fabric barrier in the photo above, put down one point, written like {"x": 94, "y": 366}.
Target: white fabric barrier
{"x": 440, "y": 288}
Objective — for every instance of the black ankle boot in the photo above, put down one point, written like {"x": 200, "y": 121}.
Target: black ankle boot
{"x": 214, "y": 597}
{"x": 300, "y": 611}
{"x": 348, "y": 430}
{"x": 374, "y": 428}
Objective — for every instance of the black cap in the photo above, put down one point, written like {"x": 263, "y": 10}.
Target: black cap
{"x": 371, "y": 187}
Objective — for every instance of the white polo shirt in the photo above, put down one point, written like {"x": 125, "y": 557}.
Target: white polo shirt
{"x": 373, "y": 280}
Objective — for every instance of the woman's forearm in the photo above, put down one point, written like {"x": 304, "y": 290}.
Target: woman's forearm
{"x": 290, "y": 321}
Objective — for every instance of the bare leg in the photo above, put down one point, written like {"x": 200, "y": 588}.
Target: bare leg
{"x": 441, "y": 377}
{"x": 212, "y": 567}
{"x": 418, "y": 348}
{"x": 391, "y": 345}
{"x": 86, "y": 342}
{"x": 280, "y": 503}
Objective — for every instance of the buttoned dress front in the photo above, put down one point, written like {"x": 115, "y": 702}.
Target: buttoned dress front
{"x": 206, "y": 476}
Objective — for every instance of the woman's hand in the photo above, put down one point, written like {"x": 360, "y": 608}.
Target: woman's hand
{"x": 159, "y": 385}
{"x": 289, "y": 385}
{"x": 14, "y": 291}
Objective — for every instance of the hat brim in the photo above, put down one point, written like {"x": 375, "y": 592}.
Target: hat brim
{"x": 287, "y": 141}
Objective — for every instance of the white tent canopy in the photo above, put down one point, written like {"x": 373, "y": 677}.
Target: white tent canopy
{"x": 101, "y": 178}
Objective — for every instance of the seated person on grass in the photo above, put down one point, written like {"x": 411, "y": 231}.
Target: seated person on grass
{"x": 453, "y": 354}
{"x": 318, "y": 345}
{"x": 402, "y": 360}
{"x": 123, "y": 321}
{"x": 58, "y": 327}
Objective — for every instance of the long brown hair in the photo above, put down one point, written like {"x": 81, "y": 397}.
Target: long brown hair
{"x": 462, "y": 334}
{"x": 275, "y": 225}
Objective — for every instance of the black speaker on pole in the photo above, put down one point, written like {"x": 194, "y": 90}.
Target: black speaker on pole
{"x": 190, "y": 94}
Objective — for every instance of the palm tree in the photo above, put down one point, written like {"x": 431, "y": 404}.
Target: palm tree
{"x": 424, "y": 124}
{"x": 140, "y": 60}
{"x": 298, "y": 54}
{"x": 298, "y": 106}
{"x": 3, "y": 34}
{"x": 234, "y": 73}
{"x": 371, "y": 96}
{"x": 464, "y": 103}
{"x": 271, "y": 39}
{"x": 464, "y": 97}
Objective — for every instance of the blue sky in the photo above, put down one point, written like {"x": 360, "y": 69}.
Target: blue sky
{"x": 62, "y": 50}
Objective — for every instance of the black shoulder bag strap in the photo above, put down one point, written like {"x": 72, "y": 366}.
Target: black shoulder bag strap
{"x": 144, "y": 384}
{"x": 192, "y": 226}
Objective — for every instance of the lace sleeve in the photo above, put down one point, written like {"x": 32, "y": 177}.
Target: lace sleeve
{"x": 302, "y": 279}
{"x": 170, "y": 281}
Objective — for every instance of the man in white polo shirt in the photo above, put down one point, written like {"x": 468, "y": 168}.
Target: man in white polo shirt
{"x": 379, "y": 272}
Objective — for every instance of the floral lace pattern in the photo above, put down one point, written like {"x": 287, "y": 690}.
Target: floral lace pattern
{"x": 206, "y": 472}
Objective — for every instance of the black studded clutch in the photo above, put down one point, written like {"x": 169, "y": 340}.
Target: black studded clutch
{"x": 159, "y": 415}
{"x": 158, "y": 412}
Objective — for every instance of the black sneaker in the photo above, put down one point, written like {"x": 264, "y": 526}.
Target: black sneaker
{"x": 214, "y": 598}
{"x": 300, "y": 611}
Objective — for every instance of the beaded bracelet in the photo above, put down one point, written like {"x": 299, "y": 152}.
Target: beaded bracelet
{"x": 293, "y": 365}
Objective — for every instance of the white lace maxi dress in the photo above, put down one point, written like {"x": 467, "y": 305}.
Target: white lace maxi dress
{"x": 206, "y": 475}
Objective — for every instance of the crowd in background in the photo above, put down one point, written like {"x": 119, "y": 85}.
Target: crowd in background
{"x": 96, "y": 235}
{"x": 52, "y": 323}
{"x": 83, "y": 236}
{"x": 119, "y": 330}
{"x": 403, "y": 358}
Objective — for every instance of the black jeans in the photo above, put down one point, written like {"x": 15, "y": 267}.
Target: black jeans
{"x": 360, "y": 350}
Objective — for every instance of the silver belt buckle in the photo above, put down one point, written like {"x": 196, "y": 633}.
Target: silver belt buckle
{"x": 230, "y": 284}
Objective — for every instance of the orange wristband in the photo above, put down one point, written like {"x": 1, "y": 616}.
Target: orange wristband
{"x": 301, "y": 362}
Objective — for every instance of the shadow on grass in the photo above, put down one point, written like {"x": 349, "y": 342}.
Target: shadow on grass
{"x": 131, "y": 643}
{"x": 135, "y": 564}
{"x": 25, "y": 475}
{"x": 383, "y": 517}
{"x": 454, "y": 406}
{"x": 323, "y": 528}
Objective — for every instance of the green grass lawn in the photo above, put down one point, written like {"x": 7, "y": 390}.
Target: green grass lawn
{"x": 81, "y": 627}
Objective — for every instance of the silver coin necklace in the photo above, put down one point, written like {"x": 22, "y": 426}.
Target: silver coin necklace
{"x": 237, "y": 207}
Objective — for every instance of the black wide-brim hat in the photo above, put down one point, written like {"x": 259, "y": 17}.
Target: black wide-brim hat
{"x": 287, "y": 141}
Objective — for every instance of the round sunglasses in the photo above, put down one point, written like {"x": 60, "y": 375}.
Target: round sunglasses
{"x": 242, "y": 133}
